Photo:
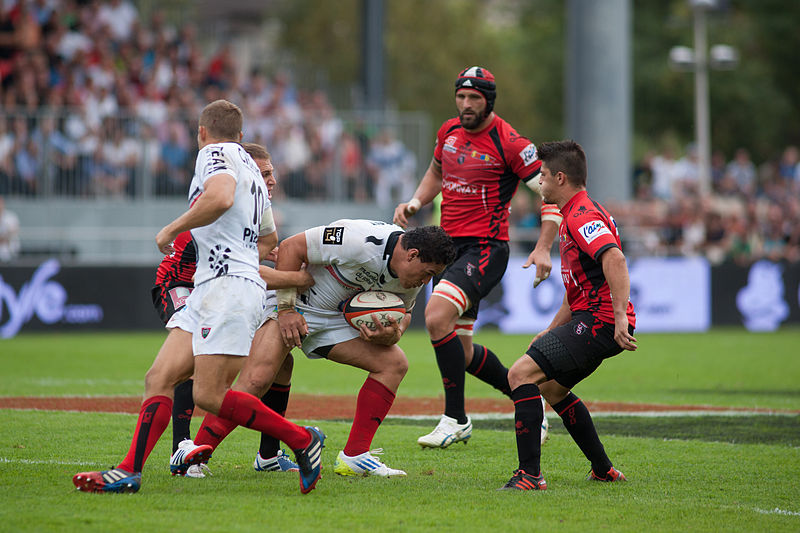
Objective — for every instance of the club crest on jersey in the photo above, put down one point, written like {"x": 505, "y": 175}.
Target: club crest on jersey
{"x": 450, "y": 144}
{"x": 204, "y": 332}
{"x": 592, "y": 230}
{"x": 333, "y": 235}
{"x": 529, "y": 154}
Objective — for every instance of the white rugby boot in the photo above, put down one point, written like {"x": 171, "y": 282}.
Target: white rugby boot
{"x": 446, "y": 432}
{"x": 364, "y": 464}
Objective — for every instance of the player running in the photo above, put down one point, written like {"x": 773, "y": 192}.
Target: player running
{"x": 174, "y": 283}
{"x": 478, "y": 162}
{"x": 595, "y": 321}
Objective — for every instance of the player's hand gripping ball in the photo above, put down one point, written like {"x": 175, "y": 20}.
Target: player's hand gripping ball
{"x": 359, "y": 308}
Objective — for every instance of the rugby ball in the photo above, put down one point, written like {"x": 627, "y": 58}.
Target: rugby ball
{"x": 358, "y": 309}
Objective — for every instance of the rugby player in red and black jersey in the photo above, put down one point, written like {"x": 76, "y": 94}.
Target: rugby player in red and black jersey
{"x": 174, "y": 283}
{"x": 478, "y": 163}
{"x": 595, "y": 321}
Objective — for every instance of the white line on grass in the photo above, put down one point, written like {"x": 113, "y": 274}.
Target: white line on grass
{"x": 777, "y": 511}
{"x": 43, "y": 462}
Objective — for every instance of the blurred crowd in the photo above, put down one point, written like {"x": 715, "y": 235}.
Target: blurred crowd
{"x": 752, "y": 211}
{"x": 97, "y": 102}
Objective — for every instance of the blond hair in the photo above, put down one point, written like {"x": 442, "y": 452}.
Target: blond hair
{"x": 222, "y": 120}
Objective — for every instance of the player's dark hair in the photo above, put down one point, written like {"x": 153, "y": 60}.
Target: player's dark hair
{"x": 223, "y": 120}
{"x": 567, "y": 157}
{"x": 434, "y": 245}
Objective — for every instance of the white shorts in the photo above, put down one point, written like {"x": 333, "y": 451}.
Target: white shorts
{"x": 222, "y": 315}
{"x": 325, "y": 328}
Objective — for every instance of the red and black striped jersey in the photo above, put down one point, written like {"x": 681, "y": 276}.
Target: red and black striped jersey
{"x": 180, "y": 264}
{"x": 480, "y": 174}
{"x": 587, "y": 231}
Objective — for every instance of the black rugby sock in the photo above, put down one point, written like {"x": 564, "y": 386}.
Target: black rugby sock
{"x": 450, "y": 358}
{"x": 277, "y": 399}
{"x": 182, "y": 409}
{"x": 487, "y": 367}
{"x": 579, "y": 424}
{"x": 528, "y": 416}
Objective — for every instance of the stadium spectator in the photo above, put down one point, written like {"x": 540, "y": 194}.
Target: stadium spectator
{"x": 742, "y": 172}
{"x": 392, "y": 168}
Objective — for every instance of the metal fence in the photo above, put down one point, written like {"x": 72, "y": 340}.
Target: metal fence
{"x": 81, "y": 153}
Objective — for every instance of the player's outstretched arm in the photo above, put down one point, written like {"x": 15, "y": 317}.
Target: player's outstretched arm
{"x": 428, "y": 188}
{"x": 215, "y": 200}
{"x": 286, "y": 279}
{"x": 540, "y": 256}
{"x": 615, "y": 269}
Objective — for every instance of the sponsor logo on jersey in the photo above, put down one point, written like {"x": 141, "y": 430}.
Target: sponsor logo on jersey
{"x": 469, "y": 268}
{"x": 459, "y": 186}
{"x": 366, "y": 277}
{"x": 592, "y": 230}
{"x": 482, "y": 157}
{"x": 333, "y": 235}
{"x": 528, "y": 154}
{"x": 450, "y": 144}
{"x": 580, "y": 327}
{"x": 178, "y": 296}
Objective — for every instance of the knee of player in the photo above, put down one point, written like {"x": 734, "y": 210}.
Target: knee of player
{"x": 521, "y": 373}
{"x": 438, "y": 324}
{"x": 206, "y": 397}
{"x": 396, "y": 362}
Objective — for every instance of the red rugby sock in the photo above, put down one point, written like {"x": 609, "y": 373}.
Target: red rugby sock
{"x": 372, "y": 406}
{"x": 154, "y": 417}
{"x": 248, "y": 411}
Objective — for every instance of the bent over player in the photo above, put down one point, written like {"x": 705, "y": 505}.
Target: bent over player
{"x": 345, "y": 258}
{"x": 594, "y": 322}
{"x": 478, "y": 163}
{"x": 231, "y": 221}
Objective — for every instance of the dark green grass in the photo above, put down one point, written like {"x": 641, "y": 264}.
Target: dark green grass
{"x": 725, "y": 367}
{"x": 687, "y": 473}
{"x": 686, "y": 485}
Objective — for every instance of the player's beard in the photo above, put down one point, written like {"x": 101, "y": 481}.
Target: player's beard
{"x": 470, "y": 122}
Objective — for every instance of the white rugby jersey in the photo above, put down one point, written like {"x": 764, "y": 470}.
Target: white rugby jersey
{"x": 351, "y": 256}
{"x": 228, "y": 246}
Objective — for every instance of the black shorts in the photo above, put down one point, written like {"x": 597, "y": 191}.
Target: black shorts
{"x": 478, "y": 268}
{"x": 168, "y": 299}
{"x": 571, "y": 352}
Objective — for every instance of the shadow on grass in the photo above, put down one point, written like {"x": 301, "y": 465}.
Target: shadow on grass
{"x": 758, "y": 429}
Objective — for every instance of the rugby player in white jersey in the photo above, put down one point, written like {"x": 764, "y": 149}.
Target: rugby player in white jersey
{"x": 344, "y": 258}
{"x": 231, "y": 222}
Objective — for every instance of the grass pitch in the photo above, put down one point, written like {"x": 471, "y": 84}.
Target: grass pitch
{"x": 698, "y": 473}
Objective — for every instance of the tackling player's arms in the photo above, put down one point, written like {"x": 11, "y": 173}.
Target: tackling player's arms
{"x": 286, "y": 279}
